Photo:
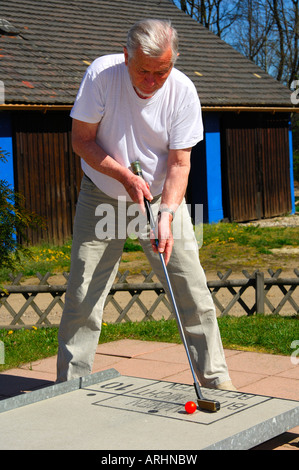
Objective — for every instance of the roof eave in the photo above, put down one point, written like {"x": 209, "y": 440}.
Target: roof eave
{"x": 256, "y": 109}
{"x": 237, "y": 109}
{"x": 35, "y": 107}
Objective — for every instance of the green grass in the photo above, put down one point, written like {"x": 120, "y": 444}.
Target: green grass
{"x": 223, "y": 245}
{"x": 25, "y": 346}
{"x": 52, "y": 258}
{"x": 261, "y": 238}
{"x": 270, "y": 334}
{"x": 240, "y": 247}
{"x": 264, "y": 333}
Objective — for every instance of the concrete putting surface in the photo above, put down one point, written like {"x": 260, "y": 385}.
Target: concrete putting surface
{"x": 110, "y": 411}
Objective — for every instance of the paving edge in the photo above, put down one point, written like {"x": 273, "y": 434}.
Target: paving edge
{"x": 56, "y": 389}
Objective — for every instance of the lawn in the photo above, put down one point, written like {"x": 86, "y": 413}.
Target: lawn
{"x": 224, "y": 246}
{"x": 268, "y": 334}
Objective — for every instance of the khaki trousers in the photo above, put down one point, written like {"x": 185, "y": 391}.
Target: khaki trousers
{"x": 94, "y": 265}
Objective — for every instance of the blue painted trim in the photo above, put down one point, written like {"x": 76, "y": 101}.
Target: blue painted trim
{"x": 291, "y": 168}
{"x": 213, "y": 165}
{"x": 6, "y": 145}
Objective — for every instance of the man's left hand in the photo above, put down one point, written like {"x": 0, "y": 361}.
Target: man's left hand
{"x": 165, "y": 236}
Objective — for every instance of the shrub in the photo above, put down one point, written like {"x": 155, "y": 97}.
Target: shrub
{"x": 15, "y": 219}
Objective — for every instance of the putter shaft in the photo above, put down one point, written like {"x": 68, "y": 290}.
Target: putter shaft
{"x": 203, "y": 403}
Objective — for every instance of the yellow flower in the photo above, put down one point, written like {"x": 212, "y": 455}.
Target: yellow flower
{"x": 34, "y": 327}
{"x": 10, "y": 332}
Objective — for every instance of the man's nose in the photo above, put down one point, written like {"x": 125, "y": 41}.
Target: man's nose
{"x": 150, "y": 78}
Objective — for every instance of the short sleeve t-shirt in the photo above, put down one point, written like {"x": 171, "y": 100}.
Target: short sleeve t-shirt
{"x": 131, "y": 128}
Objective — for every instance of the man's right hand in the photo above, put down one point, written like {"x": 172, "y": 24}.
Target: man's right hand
{"x": 138, "y": 189}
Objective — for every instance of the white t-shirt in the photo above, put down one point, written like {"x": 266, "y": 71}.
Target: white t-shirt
{"x": 132, "y": 128}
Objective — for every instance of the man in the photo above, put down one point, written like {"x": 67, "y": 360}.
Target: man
{"x": 137, "y": 106}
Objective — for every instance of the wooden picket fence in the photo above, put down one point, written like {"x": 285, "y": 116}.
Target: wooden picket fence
{"x": 251, "y": 294}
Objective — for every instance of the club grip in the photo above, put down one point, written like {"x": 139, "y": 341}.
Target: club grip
{"x": 136, "y": 168}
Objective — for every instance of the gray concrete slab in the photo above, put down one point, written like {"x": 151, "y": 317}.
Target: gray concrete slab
{"x": 108, "y": 411}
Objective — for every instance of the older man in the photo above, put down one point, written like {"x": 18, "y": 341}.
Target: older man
{"x": 137, "y": 106}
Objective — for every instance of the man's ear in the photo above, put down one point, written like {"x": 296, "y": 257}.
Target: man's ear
{"x": 126, "y": 55}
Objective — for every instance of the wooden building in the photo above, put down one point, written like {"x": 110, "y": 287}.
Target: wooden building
{"x": 241, "y": 171}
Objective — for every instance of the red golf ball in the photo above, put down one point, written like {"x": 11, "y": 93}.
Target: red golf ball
{"x": 190, "y": 407}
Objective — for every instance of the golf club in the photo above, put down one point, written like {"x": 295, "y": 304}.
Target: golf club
{"x": 203, "y": 403}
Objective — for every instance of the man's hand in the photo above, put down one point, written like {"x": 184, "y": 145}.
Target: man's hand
{"x": 164, "y": 234}
{"x": 138, "y": 189}
{"x": 178, "y": 167}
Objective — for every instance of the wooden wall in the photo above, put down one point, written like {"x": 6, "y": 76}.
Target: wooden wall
{"x": 255, "y": 165}
{"x": 46, "y": 171}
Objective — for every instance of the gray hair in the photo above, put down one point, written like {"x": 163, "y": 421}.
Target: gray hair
{"x": 153, "y": 37}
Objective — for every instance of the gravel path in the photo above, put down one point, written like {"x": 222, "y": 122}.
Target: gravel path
{"x": 288, "y": 221}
